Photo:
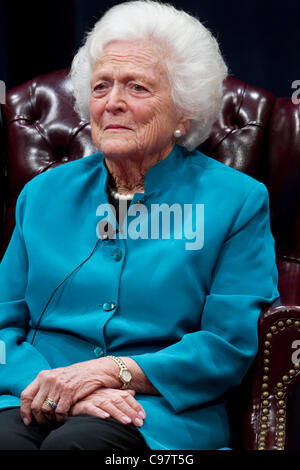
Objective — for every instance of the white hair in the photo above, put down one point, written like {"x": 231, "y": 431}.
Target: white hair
{"x": 195, "y": 67}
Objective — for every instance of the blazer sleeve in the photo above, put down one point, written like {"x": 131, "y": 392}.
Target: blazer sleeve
{"x": 205, "y": 364}
{"x": 22, "y": 361}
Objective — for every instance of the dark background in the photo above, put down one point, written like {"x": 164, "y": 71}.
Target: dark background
{"x": 259, "y": 39}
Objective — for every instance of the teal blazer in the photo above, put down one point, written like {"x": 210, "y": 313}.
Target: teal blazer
{"x": 188, "y": 317}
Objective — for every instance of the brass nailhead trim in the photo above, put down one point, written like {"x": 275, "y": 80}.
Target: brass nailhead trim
{"x": 280, "y": 395}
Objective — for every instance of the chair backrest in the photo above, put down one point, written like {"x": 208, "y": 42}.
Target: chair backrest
{"x": 42, "y": 131}
{"x": 2, "y": 178}
{"x": 256, "y": 133}
{"x": 284, "y": 189}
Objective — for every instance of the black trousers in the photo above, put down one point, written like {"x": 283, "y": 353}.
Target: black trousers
{"x": 81, "y": 432}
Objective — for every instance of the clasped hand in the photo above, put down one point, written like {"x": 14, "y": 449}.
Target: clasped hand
{"x": 80, "y": 388}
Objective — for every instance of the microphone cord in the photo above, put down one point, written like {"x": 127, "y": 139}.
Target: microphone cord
{"x": 55, "y": 290}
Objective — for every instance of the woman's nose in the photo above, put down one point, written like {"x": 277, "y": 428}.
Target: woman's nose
{"x": 116, "y": 100}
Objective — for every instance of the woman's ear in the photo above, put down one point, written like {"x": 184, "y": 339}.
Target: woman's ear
{"x": 184, "y": 126}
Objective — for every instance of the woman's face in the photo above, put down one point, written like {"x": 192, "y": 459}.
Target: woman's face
{"x": 132, "y": 112}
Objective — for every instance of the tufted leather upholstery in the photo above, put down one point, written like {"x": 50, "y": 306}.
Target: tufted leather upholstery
{"x": 256, "y": 133}
{"x": 41, "y": 125}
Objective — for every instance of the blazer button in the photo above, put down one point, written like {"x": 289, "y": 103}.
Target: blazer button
{"x": 98, "y": 351}
{"x": 109, "y": 306}
{"x": 117, "y": 254}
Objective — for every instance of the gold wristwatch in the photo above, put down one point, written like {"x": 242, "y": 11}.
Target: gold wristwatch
{"x": 125, "y": 374}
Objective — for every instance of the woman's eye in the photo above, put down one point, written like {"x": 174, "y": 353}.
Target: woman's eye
{"x": 100, "y": 86}
{"x": 139, "y": 88}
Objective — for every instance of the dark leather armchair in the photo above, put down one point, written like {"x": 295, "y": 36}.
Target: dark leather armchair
{"x": 256, "y": 133}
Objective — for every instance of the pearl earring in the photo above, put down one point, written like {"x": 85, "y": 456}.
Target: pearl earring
{"x": 177, "y": 133}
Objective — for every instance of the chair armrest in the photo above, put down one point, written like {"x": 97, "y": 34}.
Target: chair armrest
{"x": 275, "y": 371}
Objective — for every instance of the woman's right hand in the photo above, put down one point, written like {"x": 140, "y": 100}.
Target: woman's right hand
{"x": 106, "y": 402}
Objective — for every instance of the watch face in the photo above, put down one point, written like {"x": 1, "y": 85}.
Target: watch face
{"x": 126, "y": 375}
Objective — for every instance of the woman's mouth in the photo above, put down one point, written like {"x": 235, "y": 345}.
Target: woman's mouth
{"x": 115, "y": 127}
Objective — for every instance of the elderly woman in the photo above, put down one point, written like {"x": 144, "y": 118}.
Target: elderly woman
{"x": 119, "y": 338}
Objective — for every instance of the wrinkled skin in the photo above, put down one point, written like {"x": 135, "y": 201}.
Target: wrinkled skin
{"x": 133, "y": 117}
{"x": 85, "y": 384}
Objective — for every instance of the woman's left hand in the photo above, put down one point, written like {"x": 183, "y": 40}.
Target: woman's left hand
{"x": 65, "y": 386}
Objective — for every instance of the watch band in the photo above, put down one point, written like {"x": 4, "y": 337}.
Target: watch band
{"x": 123, "y": 367}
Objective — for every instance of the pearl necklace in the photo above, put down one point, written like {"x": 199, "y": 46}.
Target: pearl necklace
{"x": 116, "y": 195}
